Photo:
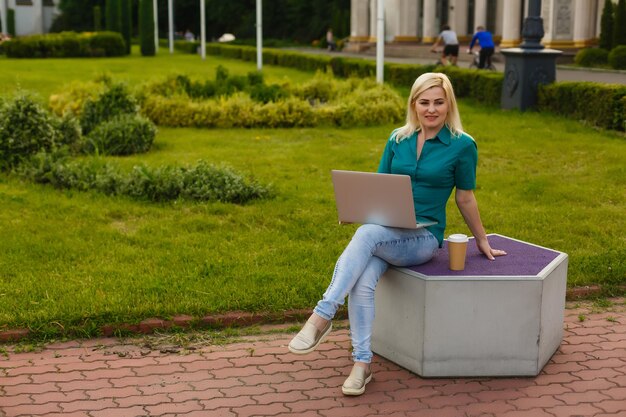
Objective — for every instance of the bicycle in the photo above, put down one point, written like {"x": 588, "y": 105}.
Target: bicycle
{"x": 476, "y": 61}
{"x": 438, "y": 62}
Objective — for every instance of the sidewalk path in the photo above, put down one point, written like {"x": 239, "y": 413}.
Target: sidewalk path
{"x": 422, "y": 55}
{"x": 257, "y": 377}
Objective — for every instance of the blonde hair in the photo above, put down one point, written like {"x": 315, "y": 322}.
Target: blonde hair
{"x": 423, "y": 83}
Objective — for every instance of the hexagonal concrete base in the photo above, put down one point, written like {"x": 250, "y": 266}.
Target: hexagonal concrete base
{"x": 495, "y": 318}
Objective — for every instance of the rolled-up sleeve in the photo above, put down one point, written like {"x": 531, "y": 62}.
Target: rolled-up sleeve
{"x": 465, "y": 172}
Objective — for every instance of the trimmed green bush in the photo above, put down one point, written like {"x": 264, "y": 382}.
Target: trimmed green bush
{"x": 97, "y": 18}
{"x": 619, "y": 24}
{"x": 25, "y": 129}
{"x": 592, "y": 57}
{"x": 113, "y": 16}
{"x": 126, "y": 134}
{"x": 617, "y": 57}
{"x": 322, "y": 100}
{"x": 66, "y": 45}
{"x": 606, "y": 26}
{"x": 146, "y": 28}
{"x": 202, "y": 182}
{"x": 113, "y": 102}
{"x": 11, "y": 22}
{"x": 599, "y": 104}
{"x": 127, "y": 23}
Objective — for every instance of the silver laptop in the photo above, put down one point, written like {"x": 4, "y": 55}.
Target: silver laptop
{"x": 368, "y": 197}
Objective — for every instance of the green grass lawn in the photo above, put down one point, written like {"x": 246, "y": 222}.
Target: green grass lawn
{"x": 74, "y": 261}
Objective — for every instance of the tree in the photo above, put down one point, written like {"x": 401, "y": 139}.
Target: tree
{"x": 113, "y": 18}
{"x": 76, "y": 15}
{"x": 606, "y": 26}
{"x": 97, "y": 18}
{"x": 619, "y": 26}
{"x": 146, "y": 28}
{"x": 127, "y": 23}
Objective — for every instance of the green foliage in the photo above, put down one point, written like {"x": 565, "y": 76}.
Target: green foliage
{"x": 592, "y": 57}
{"x": 76, "y": 15}
{"x": 11, "y": 22}
{"x": 25, "y": 129}
{"x": 606, "y": 26}
{"x": 322, "y": 100}
{"x": 617, "y": 57}
{"x": 481, "y": 85}
{"x": 202, "y": 182}
{"x": 113, "y": 102}
{"x": 146, "y": 28}
{"x": 97, "y": 18}
{"x": 107, "y": 44}
{"x": 127, "y": 23}
{"x": 66, "y": 45}
{"x": 113, "y": 16}
{"x": 619, "y": 27}
{"x": 265, "y": 93}
{"x": 599, "y": 104}
{"x": 125, "y": 134}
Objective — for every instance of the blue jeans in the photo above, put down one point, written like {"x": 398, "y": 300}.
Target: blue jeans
{"x": 372, "y": 249}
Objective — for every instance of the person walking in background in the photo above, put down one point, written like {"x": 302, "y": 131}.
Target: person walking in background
{"x": 434, "y": 137}
{"x": 484, "y": 38}
{"x": 330, "y": 40}
{"x": 450, "y": 45}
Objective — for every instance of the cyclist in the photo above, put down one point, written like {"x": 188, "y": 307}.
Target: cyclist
{"x": 451, "y": 45}
{"x": 484, "y": 38}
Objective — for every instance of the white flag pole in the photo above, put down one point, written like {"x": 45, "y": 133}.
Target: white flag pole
{"x": 156, "y": 25}
{"x": 259, "y": 35}
{"x": 202, "y": 29}
{"x": 170, "y": 20}
{"x": 380, "y": 42}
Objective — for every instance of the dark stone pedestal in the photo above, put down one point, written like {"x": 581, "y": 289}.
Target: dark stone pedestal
{"x": 524, "y": 70}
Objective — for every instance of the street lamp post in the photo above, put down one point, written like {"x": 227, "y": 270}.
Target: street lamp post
{"x": 529, "y": 65}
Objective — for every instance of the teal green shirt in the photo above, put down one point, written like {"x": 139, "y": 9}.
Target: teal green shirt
{"x": 446, "y": 162}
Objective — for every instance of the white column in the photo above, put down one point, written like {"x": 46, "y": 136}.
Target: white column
{"x": 480, "y": 14}
{"x": 259, "y": 35}
{"x": 430, "y": 16}
{"x": 170, "y": 21}
{"x": 3, "y": 16}
{"x": 156, "y": 25}
{"x": 511, "y": 30}
{"x": 373, "y": 18}
{"x": 458, "y": 17}
{"x": 202, "y": 29}
{"x": 599, "y": 7}
{"x": 407, "y": 21}
{"x": 359, "y": 24}
{"x": 582, "y": 28}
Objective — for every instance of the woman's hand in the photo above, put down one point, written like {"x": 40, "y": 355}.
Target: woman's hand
{"x": 485, "y": 249}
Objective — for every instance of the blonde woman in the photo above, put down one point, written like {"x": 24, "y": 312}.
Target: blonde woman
{"x": 438, "y": 156}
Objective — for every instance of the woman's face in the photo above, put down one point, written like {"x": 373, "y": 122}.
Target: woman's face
{"x": 432, "y": 108}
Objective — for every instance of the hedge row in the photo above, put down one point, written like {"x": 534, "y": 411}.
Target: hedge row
{"x": 603, "y": 105}
{"x": 66, "y": 45}
{"x": 482, "y": 85}
{"x": 202, "y": 182}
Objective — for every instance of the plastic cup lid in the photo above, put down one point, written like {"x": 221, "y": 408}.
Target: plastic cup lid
{"x": 458, "y": 238}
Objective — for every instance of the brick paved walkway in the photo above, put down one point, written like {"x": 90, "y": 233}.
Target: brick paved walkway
{"x": 108, "y": 378}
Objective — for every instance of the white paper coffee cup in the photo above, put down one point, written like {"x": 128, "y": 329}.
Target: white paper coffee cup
{"x": 457, "y": 249}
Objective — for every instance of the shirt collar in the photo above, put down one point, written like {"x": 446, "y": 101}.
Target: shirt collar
{"x": 444, "y": 136}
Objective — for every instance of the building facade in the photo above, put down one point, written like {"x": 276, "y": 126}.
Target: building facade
{"x": 567, "y": 23}
{"x": 31, "y": 16}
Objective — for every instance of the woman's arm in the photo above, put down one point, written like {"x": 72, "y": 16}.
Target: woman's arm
{"x": 466, "y": 201}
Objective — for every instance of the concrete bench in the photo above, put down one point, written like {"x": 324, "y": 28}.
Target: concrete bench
{"x": 500, "y": 318}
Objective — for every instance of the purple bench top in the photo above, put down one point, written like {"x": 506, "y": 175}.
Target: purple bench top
{"x": 522, "y": 259}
